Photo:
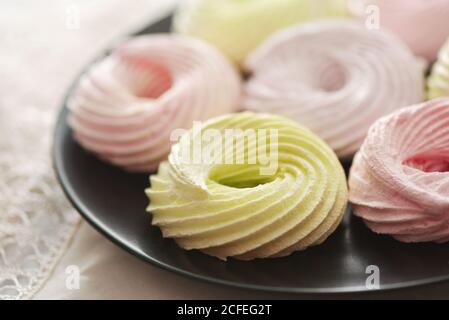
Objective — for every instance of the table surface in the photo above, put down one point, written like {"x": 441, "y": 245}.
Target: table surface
{"x": 45, "y": 45}
{"x": 109, "y": 272}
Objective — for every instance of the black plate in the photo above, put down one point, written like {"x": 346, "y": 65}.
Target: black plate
{"x": 113, "y": 201}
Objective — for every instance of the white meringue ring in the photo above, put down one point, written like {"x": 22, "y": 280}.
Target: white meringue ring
{"x": 126, "y": 106}
{"x": 334, "y": 77}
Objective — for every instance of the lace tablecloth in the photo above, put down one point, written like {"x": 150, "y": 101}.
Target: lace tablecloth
{"x": 43, "y": 45}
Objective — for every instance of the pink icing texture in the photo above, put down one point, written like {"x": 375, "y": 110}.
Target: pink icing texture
{"x": 422, "y": 24}
{"x": 399, "y": 180}
{"x": 126, "y": 106}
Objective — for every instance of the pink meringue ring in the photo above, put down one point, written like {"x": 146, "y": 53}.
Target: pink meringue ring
{"x": 399, "y": 180}
{"x": 126, "y": 106}
{"x": 334, "y": 77}
{"x": 422, "y": 24}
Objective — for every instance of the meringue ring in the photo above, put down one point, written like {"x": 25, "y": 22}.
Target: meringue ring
{"x": 422, "y": 25}
{"x": 438, "y": 81}
{"x": 399, "y": 181}
{"x": 238, "y": 210}
{"x": 126, "y": 105}
{"x": 238, "y": 27}
{"x": 334, "y": 77}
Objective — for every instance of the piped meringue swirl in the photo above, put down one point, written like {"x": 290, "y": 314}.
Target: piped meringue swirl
{"x": 126, "y": 105}
{"x": 335, "y": 77}
{"x": 399, "y": 180}
{"x": 237, "y": 27}
{"x": 233, "y": 210}
{"x": 438, "y": 81}
{"x": 422, "y": 24}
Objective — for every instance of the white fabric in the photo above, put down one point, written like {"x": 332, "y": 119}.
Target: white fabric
{"x": 43, "y": 45}
{"x": 40, "y": 234}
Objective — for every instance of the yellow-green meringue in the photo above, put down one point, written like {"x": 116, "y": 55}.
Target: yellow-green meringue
{"x": 438, "y": 82}
{"x": 237, "y": 27}
{"x": 249, "y": 209}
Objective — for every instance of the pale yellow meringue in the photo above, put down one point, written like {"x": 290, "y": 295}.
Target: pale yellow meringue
{"x": 234, "y": 210}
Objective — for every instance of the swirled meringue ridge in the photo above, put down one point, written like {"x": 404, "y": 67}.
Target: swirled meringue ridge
{"x": 126, "y": 106}
{"x": 399, "y": 181}
{"x": 231, "y": 210}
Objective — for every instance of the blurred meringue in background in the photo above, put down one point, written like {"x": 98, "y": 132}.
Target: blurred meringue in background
{"x": 438, "y": 82}
{"x": 236, "y": 27}
{"x": 423, "y": 25}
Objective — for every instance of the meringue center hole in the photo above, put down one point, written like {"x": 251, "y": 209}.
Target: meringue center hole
{"x": 429, "y": 163}
{"x": 145, "y": 77}
{"x": 331, "y": 77}
{"x": 240, "y": 176}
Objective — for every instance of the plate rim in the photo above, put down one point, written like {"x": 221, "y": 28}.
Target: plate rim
{"x": 58, "y": 164}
